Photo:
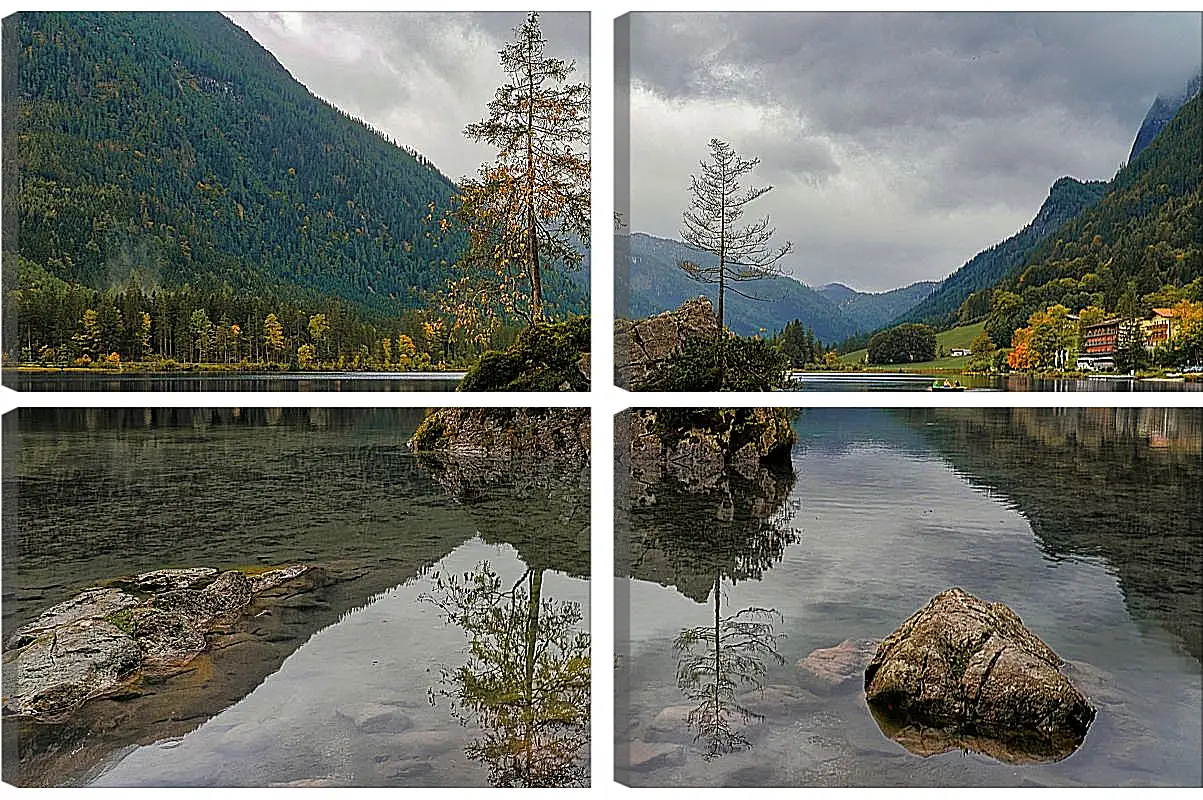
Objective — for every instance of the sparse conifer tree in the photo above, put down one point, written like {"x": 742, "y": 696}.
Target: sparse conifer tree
{"x": 711, "y": 224}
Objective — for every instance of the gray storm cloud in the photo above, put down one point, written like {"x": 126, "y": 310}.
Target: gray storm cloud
{"x": 899, "y": 144}
{"x": 420, "y": 77}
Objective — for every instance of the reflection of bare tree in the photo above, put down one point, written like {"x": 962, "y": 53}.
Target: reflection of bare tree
{"x": 716, "y": 662}
{"x": 525, "y": 683}
{"x": 697, "y": 536}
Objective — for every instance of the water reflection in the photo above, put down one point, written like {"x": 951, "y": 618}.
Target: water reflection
{"x": 697, "y": 534}
{"x": 1120, "y": 483}
{"x": 525, "y": 682}
{"x": 101, "y": 381}
{"x": 1085, "y": 521}
{"x": 925, "y": 741}
{"x": 326, "y": 689}
{"x": 716, "y": 662}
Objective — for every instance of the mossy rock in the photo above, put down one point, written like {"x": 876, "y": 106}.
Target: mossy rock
{"x": 751, "y": 364}
{"x": 546, "y": 357}
{"x": 767, "y": 430}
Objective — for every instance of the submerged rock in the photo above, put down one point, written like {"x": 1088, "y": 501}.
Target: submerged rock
{"x": 376, "y": 718}
{"x": 828, "y": 668}
{"x": 646, "y": 756}
{"x": 971, "y": 670}
{"x": 102, "y": 638}
{"x": 777, "y": 702}
{"x": 669, "y": 725}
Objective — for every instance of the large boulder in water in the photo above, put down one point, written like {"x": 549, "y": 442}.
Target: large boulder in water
{"x": 502, "y": 434}
{"x": 698, "y": 446}
{"x": 971, "y": 670}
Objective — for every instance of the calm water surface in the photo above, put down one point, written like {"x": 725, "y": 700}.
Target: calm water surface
{"x": 1086, "y": 522}
{"x": 232, "y": 381}
{"x": 95, "y": 494}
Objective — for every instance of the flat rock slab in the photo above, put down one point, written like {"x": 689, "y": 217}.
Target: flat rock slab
{"x": 96, "y": 603}
{"x": 78, "y": 661}
{"x": 644, "y": 756}
{"x": 155, "y": 622}
{"x": 162, "y": 580}
{"x": 841, "y": 666}
{"x": 970, "y": 667}
{"x": 272, "y": 579}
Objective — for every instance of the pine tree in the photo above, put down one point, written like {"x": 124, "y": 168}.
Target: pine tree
{"x": 530, "y": 207}
{"x": 711, "y": 224}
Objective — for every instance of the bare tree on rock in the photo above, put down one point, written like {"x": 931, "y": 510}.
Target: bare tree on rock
{"x": 711, "y": 224}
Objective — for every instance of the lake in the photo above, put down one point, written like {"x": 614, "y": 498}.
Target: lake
{"x": 1086, "y": 522}
{"x": 330, "y": 689}
{"x": 910, "y": 382}
{"x": 101, "y": 381}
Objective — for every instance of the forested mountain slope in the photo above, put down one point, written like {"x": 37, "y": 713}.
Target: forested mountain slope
{"x": 872, "y": 310}
{"x": 1145, "y": 232}
{"x": 948, "y": 305}
{"x": 1163, "y": 109}
{"x": 174, "y": 148}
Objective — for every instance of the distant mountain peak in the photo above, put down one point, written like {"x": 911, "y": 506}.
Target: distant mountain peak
{"x": 1163, "y": 109}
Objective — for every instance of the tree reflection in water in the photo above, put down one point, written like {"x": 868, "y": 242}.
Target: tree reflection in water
{"x": 697, "y": 536}
{"x": 732, "y": 656}
{"x": 525, "y": 683}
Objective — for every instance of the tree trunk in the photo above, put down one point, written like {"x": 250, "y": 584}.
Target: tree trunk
{"x": 532, "y": 640}
{"x": 536, "y": 279}
{"x": 717, "y": 642}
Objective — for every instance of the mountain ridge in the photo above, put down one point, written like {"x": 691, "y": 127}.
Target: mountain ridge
{"x": 951, "y": 301}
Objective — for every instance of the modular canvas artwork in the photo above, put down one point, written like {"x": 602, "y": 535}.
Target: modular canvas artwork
{"x": 908, "y": 201}
{"x": 296, "y": 201}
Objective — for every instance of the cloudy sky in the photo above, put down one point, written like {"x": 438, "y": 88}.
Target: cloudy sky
{"x": 898, "y": 145}
{"x": 419, "y": 77}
